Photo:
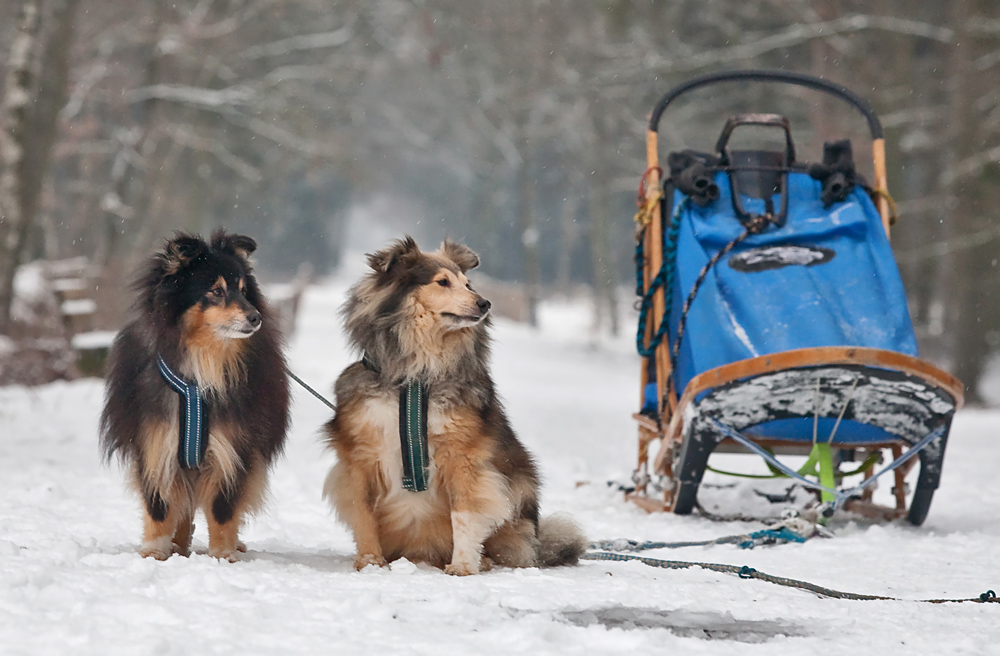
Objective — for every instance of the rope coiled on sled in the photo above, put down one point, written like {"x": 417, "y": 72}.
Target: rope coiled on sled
{"x": 664, "y": 279}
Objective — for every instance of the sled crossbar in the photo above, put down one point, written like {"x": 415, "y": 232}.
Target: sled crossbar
{"x": 839, "y": 496}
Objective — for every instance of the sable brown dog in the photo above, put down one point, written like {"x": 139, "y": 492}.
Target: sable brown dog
{"x": 196, "y": 405}
{"x": 428, "y": 466}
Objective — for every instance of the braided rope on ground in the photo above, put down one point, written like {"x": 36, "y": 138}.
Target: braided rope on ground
{"x": 745, "y": 572}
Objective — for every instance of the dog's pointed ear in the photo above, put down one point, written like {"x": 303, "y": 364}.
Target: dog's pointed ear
{"x": 460, "y": 254}
{"x": 180, "y": 251}
{"x": 239, "y": 245}
{"x": 382, "y": 261}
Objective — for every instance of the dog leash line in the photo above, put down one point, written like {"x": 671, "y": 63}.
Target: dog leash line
{"x": 746, "y": 572}
{"x": 310, "y": 390}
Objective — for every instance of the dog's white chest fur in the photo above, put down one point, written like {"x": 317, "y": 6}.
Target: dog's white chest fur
{"x": 381, "y": 414}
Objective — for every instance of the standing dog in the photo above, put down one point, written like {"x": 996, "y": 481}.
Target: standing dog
{"x": 423, "y": 333}
{"x": 196, "y": 405}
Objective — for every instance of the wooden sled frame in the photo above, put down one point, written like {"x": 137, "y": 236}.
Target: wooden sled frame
{"x": 668, "y": 426}
{"x": 672, "y": 435}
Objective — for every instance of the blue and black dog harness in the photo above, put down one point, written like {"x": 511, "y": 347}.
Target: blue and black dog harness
{"x": 193, "y": 420}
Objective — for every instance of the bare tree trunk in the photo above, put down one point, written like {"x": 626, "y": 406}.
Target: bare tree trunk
{"x": 529, "y": 233}
{"x": 964, "y": 274}
{"x": 605, "y": 275}
{"x": 569, "y": 231}
{"x": 917, "y": 179}
{"x": 158, "y": 181}
{"x": 19, "y": 86}
{"x": 128, "y": 198}
{"x": 53, "y": 84}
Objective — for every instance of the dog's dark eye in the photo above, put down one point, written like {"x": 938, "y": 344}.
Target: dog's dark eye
{"x": 217, "y": 292}
{"x": 444, "y": 282}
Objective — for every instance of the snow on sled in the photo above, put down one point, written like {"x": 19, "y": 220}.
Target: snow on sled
{"x": 771, "y": 300}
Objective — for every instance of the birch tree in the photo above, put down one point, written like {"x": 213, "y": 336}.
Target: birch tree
{"x": 14, "y": 114}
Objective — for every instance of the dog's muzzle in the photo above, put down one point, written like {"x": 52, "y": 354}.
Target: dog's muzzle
{"x": 242, "y": 329}
{"x": 469, "y": 320}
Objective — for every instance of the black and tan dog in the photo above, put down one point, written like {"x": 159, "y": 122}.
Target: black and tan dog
{"x": 196, "y": 405}
{"x": 428, "y": 466}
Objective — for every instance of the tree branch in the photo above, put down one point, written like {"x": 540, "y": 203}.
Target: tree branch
{"x": 988, "y": 61}
{"x": 301, "y": 42}
{"x": 949, "y": 246}
{"x": 188, "y": 95}
{"x": 275, "y": 133}
{"x": 972, "y": 165}
{"x": 195, "y": 27}
{"x": 793, "y": 36}
{"x": 187, "y": 138}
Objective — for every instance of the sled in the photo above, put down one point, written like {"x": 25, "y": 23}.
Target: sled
{"x": 773, "y": 321}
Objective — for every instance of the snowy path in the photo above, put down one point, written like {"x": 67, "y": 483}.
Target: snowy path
{"x": 70, "y": 581}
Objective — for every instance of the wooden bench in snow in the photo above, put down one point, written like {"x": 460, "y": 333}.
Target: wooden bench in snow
{"x": 91, "y": 350}
{"x": 73, "y": 281}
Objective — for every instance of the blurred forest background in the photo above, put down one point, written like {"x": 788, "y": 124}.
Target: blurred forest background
{"x": 516, "y": 126}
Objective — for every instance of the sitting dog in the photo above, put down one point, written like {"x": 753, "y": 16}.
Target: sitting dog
{"x": 428, "y": 467}
{"x": 196, "y": 404}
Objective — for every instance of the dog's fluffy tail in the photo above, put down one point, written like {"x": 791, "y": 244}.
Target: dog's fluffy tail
{"x": 561, "y": 541}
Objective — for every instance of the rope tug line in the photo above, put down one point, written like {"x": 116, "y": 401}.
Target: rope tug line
{"x": 747, "y": 572}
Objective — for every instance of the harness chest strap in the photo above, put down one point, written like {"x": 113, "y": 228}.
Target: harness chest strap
{"x": 413, "y": 436}
{"x": 413, "y": 399}
{"x": 194, "y": 419}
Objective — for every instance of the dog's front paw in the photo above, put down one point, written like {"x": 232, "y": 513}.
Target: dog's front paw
{"x": 461, "y": 569}
{"x": 225, "y": 554}
{"x": 160, "y": 549}
{"x": 362, "y": 561}
{"x": 241, "y": 546}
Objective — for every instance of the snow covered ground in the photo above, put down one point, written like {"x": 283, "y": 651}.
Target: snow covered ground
{"x": 71, "y": 582}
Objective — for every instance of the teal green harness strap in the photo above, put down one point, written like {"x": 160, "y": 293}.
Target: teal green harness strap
{"x": 412, "y": 430}
{"x": 413, "y": 436}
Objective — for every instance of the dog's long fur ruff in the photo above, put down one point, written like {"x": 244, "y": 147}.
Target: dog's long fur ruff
{"x": 415, "y": 316}
{"x": 199, "y": 307}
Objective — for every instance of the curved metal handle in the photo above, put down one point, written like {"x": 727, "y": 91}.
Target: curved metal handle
{"x": 785, "y": 77}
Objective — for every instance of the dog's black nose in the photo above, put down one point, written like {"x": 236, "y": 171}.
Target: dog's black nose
{"x": 482, "y": 304}
{"x": 254, "y": 318}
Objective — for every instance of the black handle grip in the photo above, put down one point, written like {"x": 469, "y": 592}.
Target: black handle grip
{"x": 785, "y": 77}
{"x": 769, "y": 120}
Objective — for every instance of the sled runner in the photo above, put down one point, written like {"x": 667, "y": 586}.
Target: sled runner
{"x": 774, "y": 320}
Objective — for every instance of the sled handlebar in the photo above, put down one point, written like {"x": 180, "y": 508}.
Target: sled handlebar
{"x": 880, "y": 183}
{"x": 784, "y": 77}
